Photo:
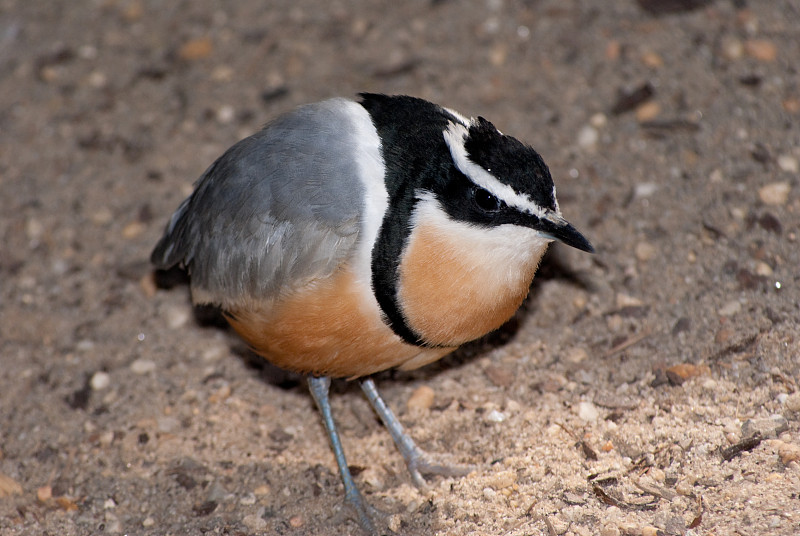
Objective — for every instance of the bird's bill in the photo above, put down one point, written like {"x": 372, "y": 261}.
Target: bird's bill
{"x": 560, "y": 229}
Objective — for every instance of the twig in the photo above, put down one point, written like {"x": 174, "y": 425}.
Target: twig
{"x": 628, "y": 343}
{"x": 744, "y": 445}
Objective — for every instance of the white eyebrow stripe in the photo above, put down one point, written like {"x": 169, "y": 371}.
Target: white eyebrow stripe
{"x": 454, "y": 137}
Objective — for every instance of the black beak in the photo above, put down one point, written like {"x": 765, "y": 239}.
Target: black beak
{"x": 560, "y": 229}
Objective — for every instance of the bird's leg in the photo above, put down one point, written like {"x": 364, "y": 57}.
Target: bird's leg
{"x": 319, "y": 388}
{"x": 417, "y": 460}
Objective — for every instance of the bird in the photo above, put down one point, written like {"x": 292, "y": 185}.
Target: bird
{"x": 351, "y": 236}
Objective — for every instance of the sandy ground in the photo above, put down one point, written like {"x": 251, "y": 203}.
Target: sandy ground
{"x": 649, "y": 389}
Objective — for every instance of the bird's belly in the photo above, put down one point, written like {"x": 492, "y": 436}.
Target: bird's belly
{"x": 329, "y": 328}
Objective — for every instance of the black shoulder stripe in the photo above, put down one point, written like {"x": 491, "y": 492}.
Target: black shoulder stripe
{"x": 414, "y": 153}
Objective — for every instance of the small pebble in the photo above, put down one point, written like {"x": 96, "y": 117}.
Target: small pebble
{"x": 648, "y": 111}
{"x": 100, "y": 380}
{"x": 588, "y": 138}
{"x": 113, "y": 524}
{"x": 196, "y": 49}
{"x": 495, "y": 416}
{"x": 624, "y": 300}
{"x": 502, "y": 480}
{"x": 788, "y": 163}
{"x": 395, "y": 523}
{"x": 296, "y": 522}
{"x": 657, "y": 474}
{"x": 763, "y": 269}
{"x": 645, "y": 189}
{"x": 788, "y": 452}
{"x": 685, "y": 487}
{"x": 598, "y": 120}
{"x": 248, "y": 500}
{"x": 767, "y": 428}
{"x": 775, "y": 193}
{"x": 645, "y": 251}
{"x": 102, "y": 216}
{"x": 254, "y": 522}
{"x": 684, "y": 371}
{"x": 652, "y": 60}
{"x": 731, "y": 308}
{"x": 148, "y": 522}
{"x": 226, "y": 114}
{"x": 500, "y": 375}
{"x": 609, "y": 531}
{"x": 262, "y": 490}
{"x": 220, "y": 395}
{"x": 576, "y": 355}
{"x": 793, "y": 402}
{"x": 44, "y": 493}
{"x": 421, "y": 399}
{"x": 34, "y": 229}
{"x": 143, "y": 366}
{"x": 732, "y": 48}
{"x": 761, "y": 49}
{"x": 588, "y": 411}
{"x": 177, "y": 317}
{"x": 214, "y": 352}
{"x": 649, "y": 531}
{"x": 132, "y": 230}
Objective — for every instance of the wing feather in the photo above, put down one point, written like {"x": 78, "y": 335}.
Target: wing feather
{"x": 276, "y": 211}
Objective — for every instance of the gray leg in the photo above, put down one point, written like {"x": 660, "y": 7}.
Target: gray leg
{"x": 319, "y": 388}
{"x": 416, "y": 459}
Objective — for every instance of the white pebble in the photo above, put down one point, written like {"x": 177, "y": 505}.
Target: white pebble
{"x": 588, "y": 137}
{"x": 645, "y": 189}
{"x": 774, "y": 194}
{"x": 177, "y": 317}
{"x": 143, "y": 366}
{"x": 225, "y": 114}
{"x": 788, "y": 163}
{"x": 598, "y": 120}
{"x": 763, "y": 269}
{"x": 100, "y": 380}
{"x": 588, "y": 411}
{"x": 495, "y": 416}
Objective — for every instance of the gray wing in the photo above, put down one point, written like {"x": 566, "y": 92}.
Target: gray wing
{"x": 277, "y": 210}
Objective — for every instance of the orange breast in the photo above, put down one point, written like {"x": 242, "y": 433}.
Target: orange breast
{"x": 454, "y": 289}
{"x": 331, "y": 327}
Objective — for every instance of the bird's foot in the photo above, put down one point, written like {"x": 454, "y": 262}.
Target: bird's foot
{"x": 356, "y": 508}
{"x": 421, "y": 463}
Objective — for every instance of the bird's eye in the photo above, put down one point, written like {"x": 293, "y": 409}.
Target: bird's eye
{"x": 485, "y": 201}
